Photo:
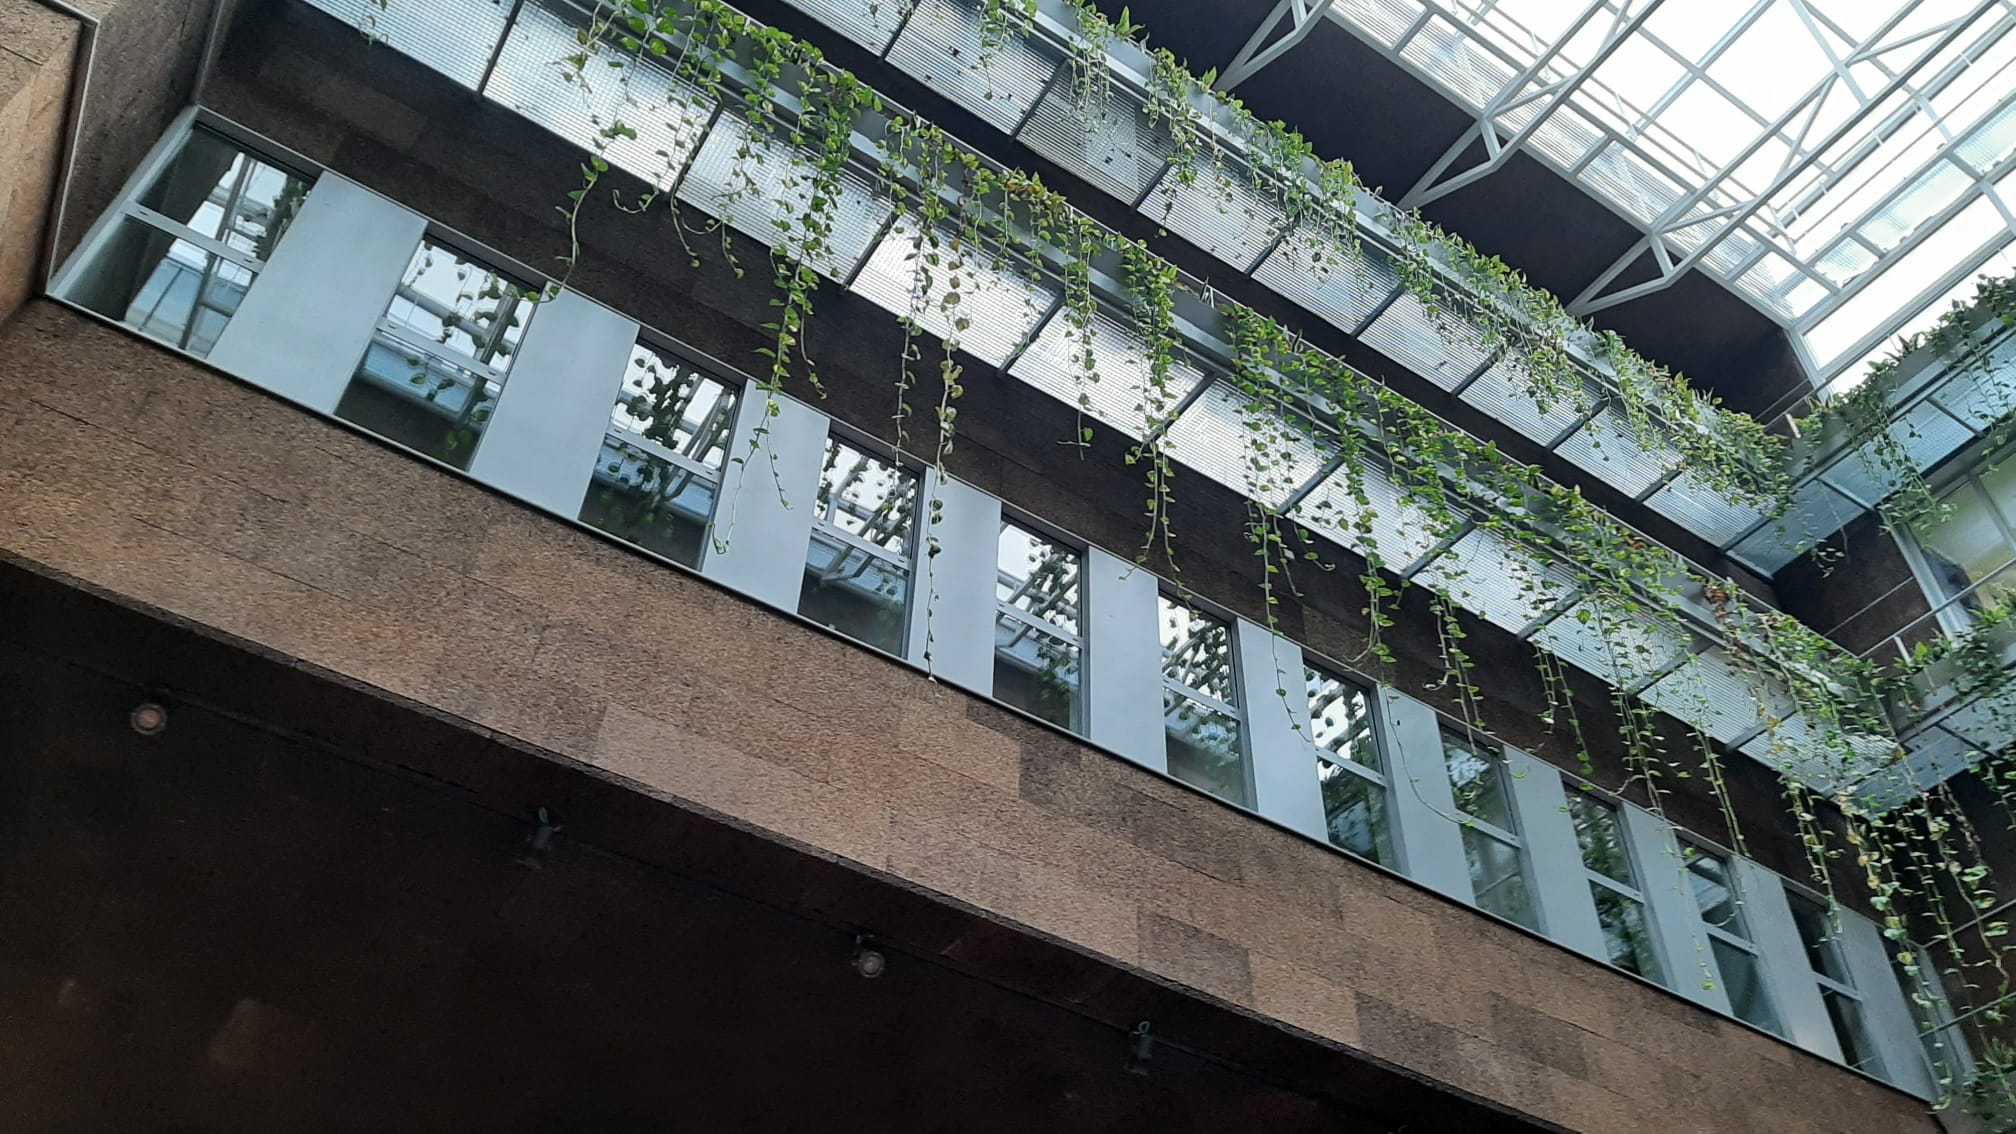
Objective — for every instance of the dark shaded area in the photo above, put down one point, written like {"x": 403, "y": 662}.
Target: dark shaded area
{"x": 302, "y": 907}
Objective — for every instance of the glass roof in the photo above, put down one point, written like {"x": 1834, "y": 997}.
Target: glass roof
{"x": 1839, "y": 163}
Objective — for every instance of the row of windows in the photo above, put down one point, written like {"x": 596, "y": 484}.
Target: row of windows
{"x": 440, "y": 356}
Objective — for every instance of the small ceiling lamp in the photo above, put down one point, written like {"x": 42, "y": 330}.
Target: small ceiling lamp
{"x": 149, "y": 718}
{"x": 868, "y": 960}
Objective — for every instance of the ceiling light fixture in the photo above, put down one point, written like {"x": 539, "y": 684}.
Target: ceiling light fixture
{"x": 868, "y": 960}
{"x": 149, "y": 718}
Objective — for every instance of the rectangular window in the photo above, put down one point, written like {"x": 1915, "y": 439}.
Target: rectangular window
{"x": 857, "y": 570}
{"x": 1038, "y": 643}
{"x": 1820, "y": 932}
{"x": 1200, "y": 703}
{"x": 659, "y": 474}
{"x": 438, "y": 359}
{"x": 1490, "y": 837}
{"x": 179, "y": 258}
{"x": 1967, "y": 561}
{"x": 1348, "y": 768}
{"x": 1620, "y": 904}
{"x": 1730, "y": 948}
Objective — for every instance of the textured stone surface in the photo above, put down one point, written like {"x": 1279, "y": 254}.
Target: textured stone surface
{"x": 37, "y": 53}
{"x": 429, "y": 587}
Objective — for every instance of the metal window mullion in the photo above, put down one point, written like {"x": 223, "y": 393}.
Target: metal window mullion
{"x": 1037, "y": 624}
{"x": 1199, "y": 696}
{"x": 180, "y": 231}
{"x": 1550, "y": 854}
{"x": 497, "y": 51}
{"x": 660, "y": 451}
{"x": 400, "y": 335}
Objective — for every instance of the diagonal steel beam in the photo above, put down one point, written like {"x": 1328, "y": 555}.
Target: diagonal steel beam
{"x": 1673, "y": 218}
{"x": 1258, "y": 52}
{"x": 1498, "y": 151}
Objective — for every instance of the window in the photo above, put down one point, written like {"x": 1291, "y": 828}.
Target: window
{"x": 1038, "y": 650}
{"x": 1620, "y": 904}
{"x": 1820, "y": 932}
{"x": 1731, "y": 951}
{"x": 1200, "y": 706}
{"x": 437, "y": 362}
{"x": 857, "y": 570}
{"x": 1964, "y": 560}
{"x": 1939, "y": 1031}
{"x": 1348, "y": 768}
{"x": 1490, "y": 838}
{"x": 659, "y": 473}
{"x": 178, "y": 259}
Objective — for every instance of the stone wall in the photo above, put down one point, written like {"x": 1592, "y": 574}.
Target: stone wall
{"x": 38, "y": 49}
{"x": 151, "y": 478}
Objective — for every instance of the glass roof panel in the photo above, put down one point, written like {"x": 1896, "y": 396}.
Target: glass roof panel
{"x": 1797, "y": 147}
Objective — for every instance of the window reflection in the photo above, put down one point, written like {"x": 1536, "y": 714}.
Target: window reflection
{"x": 1348, "y": 768}
{"x": 1967, "y": 555}
{"x": 1037, "y": 648}
{"x": 857, "y": 571}
{"x": 1490, "y": 839}
{"x": 437, "y": 361}
{"x": 179, "y": 261}
{"x": 658, "y": 478}
{"x": 1200, "y": 710}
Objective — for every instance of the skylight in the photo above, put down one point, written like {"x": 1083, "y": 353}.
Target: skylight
{"x": 1841, "y": 164}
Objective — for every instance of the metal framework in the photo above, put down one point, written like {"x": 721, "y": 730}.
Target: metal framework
{"x": 1870, "y": 129}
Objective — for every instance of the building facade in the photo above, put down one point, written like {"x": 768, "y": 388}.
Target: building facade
{"x": 469, "y": 672}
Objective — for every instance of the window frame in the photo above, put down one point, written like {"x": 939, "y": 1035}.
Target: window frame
{"x": 1494, "y": 755}
{"x": 1843, "y": 988}
{"x": 83, "y": 258}
{"x": 1166, "y": 592}
{"x": 908, "y": 561}
{"x": 1081, "y": 641}
{"x": 1961, "y": 475}
{"x": 1692, "y": 849}
{"x": 1634, "y": 891}
{"x": 1374, "y": 733}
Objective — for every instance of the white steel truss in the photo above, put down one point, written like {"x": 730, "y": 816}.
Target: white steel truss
{"x": 1794, "y": 150}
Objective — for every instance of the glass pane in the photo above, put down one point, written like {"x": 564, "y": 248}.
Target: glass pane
{"x": 1967, "y": 546}
{"x": 1600, "y": 836}
{"x": 1354, "y": 810}
{"x": 162, "y": 286}
{"x": 666, "y": 401}
{"x": 1197, "y": 650}
{"x": 1744, "y": 982}
{"x": 431, "y": 376}
{"x": 222, "y": 192}
{"x": 1845, "y": 1012}
{"x": 1037, "y": 672}
{"x": 1709, "y": 876}
{"x": 649, "y": 501}
{"x": 1818, "y": 931}
{"x": 1624, "y": 935}
{"x": 426, "y": 403}
{"x": 861, "y": 595}
{"x": 1340, "y": 718}
{"x": 1204, "y": 748}
{"x": 1478, "y": 781}
{"x": 459, "y": 308}
{"x": 1495, "y": 877}
{"x": 867, "y": 497}
{"x": 1038, "y": 577}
